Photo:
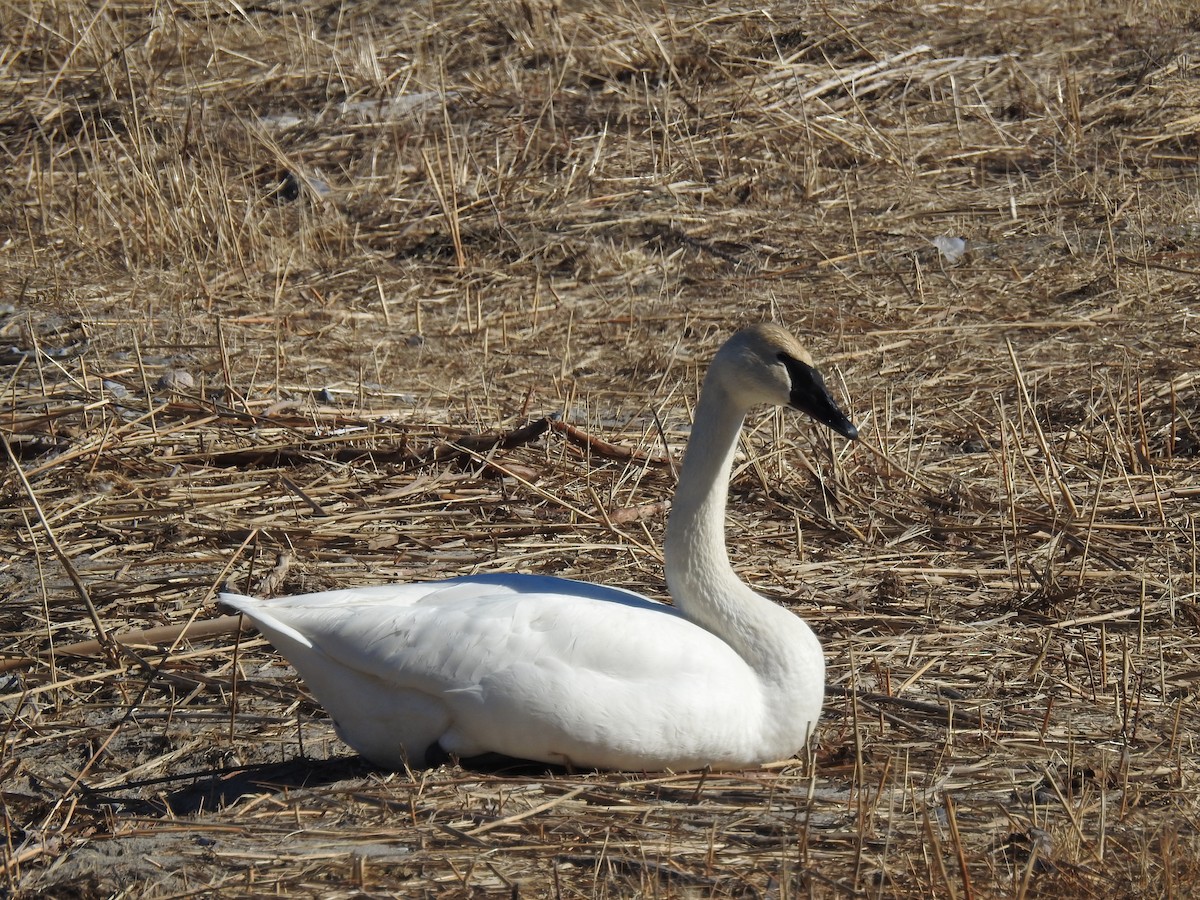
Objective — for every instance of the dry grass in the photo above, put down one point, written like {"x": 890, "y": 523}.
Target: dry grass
{"x": 364, "y": 229}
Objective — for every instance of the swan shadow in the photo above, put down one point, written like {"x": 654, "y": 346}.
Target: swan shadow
{"x": 497, "y": 764}
{"x": 191, "y": 793}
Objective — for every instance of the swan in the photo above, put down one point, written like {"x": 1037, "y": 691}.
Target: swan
{"x": 578, "y": 674}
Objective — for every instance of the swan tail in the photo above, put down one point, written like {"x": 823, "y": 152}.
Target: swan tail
{"x": 254, "y": 610}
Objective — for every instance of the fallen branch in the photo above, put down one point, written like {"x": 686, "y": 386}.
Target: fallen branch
{"x": 604, "y": 448}
{"x": 146, "y": 637}
{"x": 456, "y": 448}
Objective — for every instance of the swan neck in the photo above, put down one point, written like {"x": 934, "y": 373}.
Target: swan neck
{"x": 699, "y": 575}
{"x": 703, "y": 488}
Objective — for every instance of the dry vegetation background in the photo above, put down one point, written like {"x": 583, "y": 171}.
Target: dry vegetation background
{"x": 277, "y": 277}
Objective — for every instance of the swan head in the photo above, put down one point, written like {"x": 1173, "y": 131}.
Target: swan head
{"x": 765, "y": 364}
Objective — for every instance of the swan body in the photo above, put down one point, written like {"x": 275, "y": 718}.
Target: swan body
{"x": 568, "y": 672}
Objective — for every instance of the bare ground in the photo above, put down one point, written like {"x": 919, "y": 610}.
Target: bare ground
{"x": 284, "y": 285}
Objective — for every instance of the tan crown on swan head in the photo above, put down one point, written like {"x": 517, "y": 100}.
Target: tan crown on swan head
{"x": 764, "y": 363}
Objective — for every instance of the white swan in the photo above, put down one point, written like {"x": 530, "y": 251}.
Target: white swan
{"x": 568, "y": 672}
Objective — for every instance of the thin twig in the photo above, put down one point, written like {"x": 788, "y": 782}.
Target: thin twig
{"x": 68, "y": 566}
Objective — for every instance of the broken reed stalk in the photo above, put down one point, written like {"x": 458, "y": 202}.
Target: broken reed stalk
{"x": 80, "y": 588}
{"x": 935, "y": 845}
{"x": 235, "y": 673}
{"x": 1051, "y": 463}
{"x": 959, "y": 849}
{"x": 439, "y": 179}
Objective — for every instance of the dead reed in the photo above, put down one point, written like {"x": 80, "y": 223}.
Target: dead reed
{"x": 311, "y": 294}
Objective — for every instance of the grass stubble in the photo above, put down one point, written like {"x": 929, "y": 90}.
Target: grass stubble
{"x": 290, "y": 290}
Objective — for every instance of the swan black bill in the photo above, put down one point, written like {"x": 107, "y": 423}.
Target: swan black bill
{"x": 810, "y": 395}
